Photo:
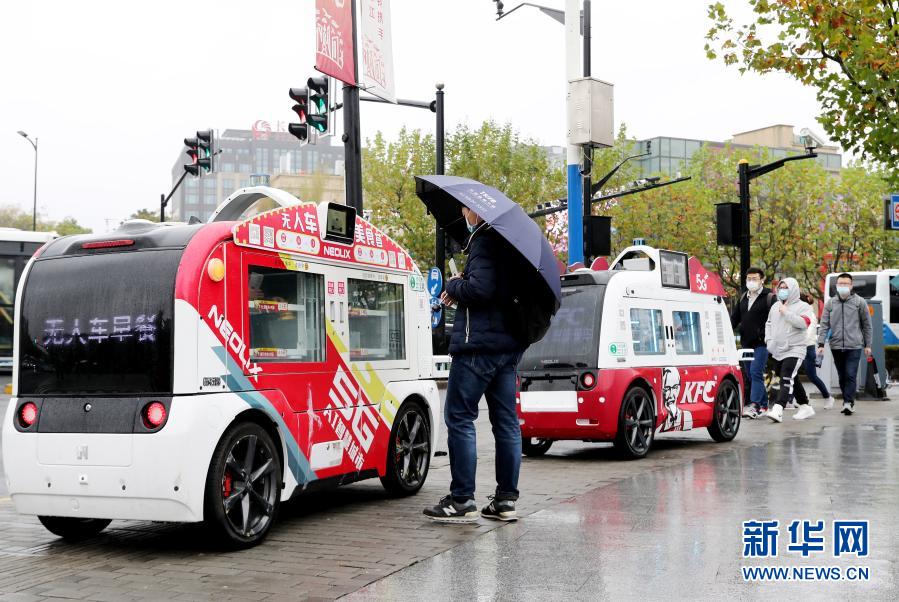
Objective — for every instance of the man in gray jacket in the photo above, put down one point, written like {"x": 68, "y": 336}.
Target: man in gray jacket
{"x": 847, "y": 321}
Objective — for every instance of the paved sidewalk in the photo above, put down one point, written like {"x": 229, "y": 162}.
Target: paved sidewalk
{"x": 330, "y": 544}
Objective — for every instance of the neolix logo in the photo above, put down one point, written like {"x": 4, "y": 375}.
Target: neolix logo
{"x": 81, "y": 452}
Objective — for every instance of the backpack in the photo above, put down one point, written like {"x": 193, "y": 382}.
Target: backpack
{"x": 530, "y": 313}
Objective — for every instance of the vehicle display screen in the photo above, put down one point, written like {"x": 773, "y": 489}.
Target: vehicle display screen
{"x": 99, "y": 324}
{"x": 340, "y": 223}
{"x": 675, "y": 270}
{"x": 573, "y": 336}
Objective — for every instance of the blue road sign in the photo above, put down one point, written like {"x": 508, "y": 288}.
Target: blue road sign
{"x": 435, "y": 282}
{"x": 894, "y": 211}
{"x": 436, "y": 312}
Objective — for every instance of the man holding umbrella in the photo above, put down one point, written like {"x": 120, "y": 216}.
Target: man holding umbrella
{"x": 486, "y": 344}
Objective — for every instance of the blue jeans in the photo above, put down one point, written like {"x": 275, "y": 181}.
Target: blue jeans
{"x": 846, "y": 363}
{"x": 757, "y": 392}
{"x": 493, "y": 376}
{"x": 812, "y": 372}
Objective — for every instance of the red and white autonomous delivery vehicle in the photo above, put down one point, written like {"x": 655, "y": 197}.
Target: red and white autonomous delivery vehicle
{"x": 206, "y": 372}
{"x": 642, "y": 348}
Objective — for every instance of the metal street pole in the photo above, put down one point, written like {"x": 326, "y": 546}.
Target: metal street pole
{"x": 352, "y": 137}
{"x": 575, "y": 201}
{"x": 588, "y": 150}
{"x": 439, "y": 334}
{"x": 745, "y": 239}
{"x": 34, "y": 209}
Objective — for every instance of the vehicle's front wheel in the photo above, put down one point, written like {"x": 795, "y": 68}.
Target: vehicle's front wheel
{"x": 243, "y": 486}
{"x": 726, "y": 419}
{"x": 74, "y": 529}
{"x": 408, "y": 451}
{"x": 636, "y": 422}
{"x": 535, "y": 446}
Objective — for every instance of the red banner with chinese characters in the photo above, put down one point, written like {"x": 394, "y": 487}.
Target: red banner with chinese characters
{"x": 296, "y": 230}
{"x": 334, "y": 43}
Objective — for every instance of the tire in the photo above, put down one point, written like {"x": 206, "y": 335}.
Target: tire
{"x": 239, "y": 516}
{"x": 74, "y": 529}
{"x": 534, "y": 447}
{"x": 636, "y": 424}
{"x": 408, "y": 451}
{"x": 726, "y": 416}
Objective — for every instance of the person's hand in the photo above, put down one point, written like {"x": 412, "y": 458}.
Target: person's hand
{"x": 782, "y": 308}
{"x": 867, "y": 352}
{"x": 447, "y": 300}
{"x": 820, "y": 351}
{"x": 456, "y": 277}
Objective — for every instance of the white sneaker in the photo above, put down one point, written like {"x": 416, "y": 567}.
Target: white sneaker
{"x": 828, "y": 403}
{"x": 847, "y": 408}
{"x": 804, "y": 412}
{"x": 776, "y": 413}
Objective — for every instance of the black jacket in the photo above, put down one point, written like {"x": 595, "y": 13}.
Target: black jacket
{"x": 750, "y": 322}
{"x": 483, "y": 293}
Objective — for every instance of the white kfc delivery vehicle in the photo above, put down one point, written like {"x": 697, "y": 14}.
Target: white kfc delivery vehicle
{"x": 206, "y": 372}
{"x": 642, "y": 348}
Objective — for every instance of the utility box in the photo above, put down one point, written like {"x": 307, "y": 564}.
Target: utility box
{"x": 590, "y": 115}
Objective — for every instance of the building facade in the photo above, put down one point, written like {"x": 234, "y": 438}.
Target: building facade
{"x": 672, "y": 156}
{"x": 259, "y": 155}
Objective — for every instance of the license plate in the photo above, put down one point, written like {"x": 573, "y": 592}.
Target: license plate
{"x": 549, "y": 401}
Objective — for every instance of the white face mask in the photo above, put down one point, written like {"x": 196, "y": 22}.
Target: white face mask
{"x": 753, "y": 285}
{"x": 844, "y": 291}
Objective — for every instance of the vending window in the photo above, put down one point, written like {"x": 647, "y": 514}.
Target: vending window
{"x": 647, "y": 331}
{"x": 376, "y": 320}
{"x": 287, "y": 321}
{"x": 687, "y": 333}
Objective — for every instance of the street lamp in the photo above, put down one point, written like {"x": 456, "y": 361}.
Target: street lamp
{"x": 34, "y": 210}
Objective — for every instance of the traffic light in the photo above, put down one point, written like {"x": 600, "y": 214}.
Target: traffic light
{"x": 193, "y": 151}
{"x": 206, "y": 150}
{"x": 729, "y": 221}
{"x": 319, "y": 108}
{"x": 597, "y": 236}
{"x": 300, "y": 130}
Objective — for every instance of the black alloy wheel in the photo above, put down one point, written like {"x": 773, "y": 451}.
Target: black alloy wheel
{"x": 636, "y": 424}
{"x": 535, "y": 446}
{"x": 243, "y": 487}
{"x": 74, "y": 529}
{"x": 726, "y": 419}
{"x": 409, "y": 451}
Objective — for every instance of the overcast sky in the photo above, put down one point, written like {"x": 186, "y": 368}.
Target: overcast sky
{"x": 111, "y": 88}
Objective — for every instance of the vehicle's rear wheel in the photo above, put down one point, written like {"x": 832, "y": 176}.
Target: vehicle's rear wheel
{"x": 636, "y": 422}
{"x": 74, "y": 529}
{"x": 243, "y": 486}
{"x": 409, "y": 451}
{"x": 726, "y": 419}
{"x": 535, "y": 446}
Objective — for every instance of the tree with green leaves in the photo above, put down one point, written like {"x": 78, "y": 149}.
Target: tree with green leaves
{"x": 12, "y": 216}
{"x": 494, "y": 154}
{"x": 848, "y": 50}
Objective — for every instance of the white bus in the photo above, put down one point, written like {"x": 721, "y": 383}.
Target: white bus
{"x": 16, "y": 248}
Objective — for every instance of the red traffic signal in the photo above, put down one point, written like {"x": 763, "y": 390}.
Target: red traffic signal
{"x": 192, "y": 144}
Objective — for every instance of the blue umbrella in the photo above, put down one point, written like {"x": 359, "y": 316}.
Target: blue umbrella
{"x": 444, "y": 197}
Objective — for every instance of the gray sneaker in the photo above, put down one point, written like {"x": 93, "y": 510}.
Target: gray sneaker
{"x": 848, "y": 408}
{"x": 499, "y": 510}
{"x": 751, "y": 411}
{"x": 450, "y": 511}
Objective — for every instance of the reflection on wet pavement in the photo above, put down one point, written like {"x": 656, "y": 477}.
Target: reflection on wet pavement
{"x": 676, "y": 533}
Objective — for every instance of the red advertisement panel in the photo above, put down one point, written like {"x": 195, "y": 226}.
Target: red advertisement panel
{"x": 334, "y": 44}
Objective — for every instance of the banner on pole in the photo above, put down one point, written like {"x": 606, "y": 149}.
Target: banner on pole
{"x": 334, "y": 43}
{"x": 377, "y": 49}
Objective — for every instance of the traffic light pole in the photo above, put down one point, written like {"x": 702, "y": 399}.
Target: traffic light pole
{"x": 747, "y": 173}
{"x": 586, "y": 185}
{"x": 164, "y": 200}
{"x": 352, "y": 138}
{"x": 439, "y": 334}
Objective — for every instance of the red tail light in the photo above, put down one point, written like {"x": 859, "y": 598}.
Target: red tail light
{"x": 588, "y": 380}
{"x": 27, "y": 415}
{"x": 153, "y": 415}
{"x": 105, "y": 244}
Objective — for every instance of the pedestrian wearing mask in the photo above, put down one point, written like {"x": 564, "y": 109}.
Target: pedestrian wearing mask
{"x": 810, "y": 364}
{"x": 748, "y": 318}
{"x": 485, "y": 359}
{"x": 847, "y": 321}
{"x": 786, "y": 333}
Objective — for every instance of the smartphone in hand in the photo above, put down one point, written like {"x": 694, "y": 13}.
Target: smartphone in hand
{"x": 454, "y": 271}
